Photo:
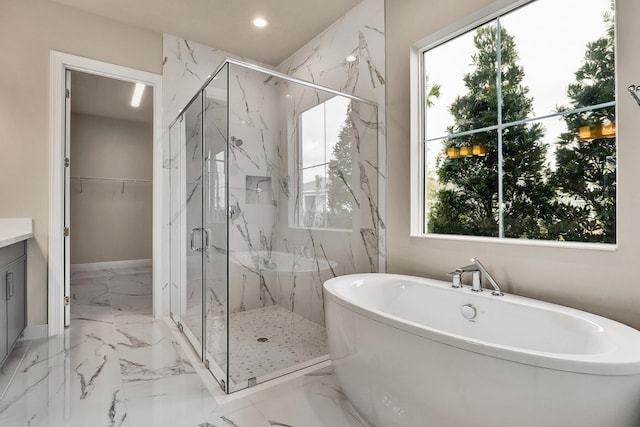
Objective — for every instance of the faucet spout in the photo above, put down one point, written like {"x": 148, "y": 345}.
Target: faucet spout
{"x": 466, "y": 268}
{"x": 496, "y": 289}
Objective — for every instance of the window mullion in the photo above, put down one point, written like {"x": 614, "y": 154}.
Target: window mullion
{"x": 499, "y": 112}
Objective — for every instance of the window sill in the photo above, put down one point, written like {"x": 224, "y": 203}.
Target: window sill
{"x": 607, "y": 247}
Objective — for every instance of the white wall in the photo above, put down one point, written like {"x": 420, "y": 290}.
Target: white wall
{"x": 110, "y": 221}
{"x": 29, "y": 29}
{"x": 598, "y": 281}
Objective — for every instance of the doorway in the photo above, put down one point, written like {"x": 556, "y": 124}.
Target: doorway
{"x": 95, "y": 175}
{"x": 109, "y": 214}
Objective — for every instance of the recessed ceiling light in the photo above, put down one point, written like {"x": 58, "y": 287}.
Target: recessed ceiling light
{"x": 350, "y": 58}
{"x": 260, "y": 22}
{"x": 137, "y": 95}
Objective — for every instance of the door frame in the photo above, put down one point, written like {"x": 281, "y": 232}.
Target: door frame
{"x": 59, "y": 63}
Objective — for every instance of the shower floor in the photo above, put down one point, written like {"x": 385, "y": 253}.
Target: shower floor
{"x": 264, "y": 341}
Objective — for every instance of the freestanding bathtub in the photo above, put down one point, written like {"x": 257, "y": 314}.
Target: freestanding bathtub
{"x": 405, "y": 355}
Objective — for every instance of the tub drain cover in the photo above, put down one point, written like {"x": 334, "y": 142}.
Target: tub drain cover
{"x": 263, "y": 339}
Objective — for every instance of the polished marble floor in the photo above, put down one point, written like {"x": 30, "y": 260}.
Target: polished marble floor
{"x": 117, "y": 366}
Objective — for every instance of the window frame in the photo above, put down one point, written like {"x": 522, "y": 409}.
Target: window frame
{"x": 418, "y": 139}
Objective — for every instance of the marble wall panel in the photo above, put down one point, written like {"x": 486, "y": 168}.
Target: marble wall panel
{"x": 323, "y": 60}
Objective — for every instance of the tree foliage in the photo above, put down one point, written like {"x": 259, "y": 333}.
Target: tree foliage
{"x": 340, "y": 173}
{"x": 467, "y": 201}
{"x": 576, "y": 200}
{"x": 586, "y": 169}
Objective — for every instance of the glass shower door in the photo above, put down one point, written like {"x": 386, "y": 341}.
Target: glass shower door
{"x": 215, "y": 224}
{"x": 198, "y": 162}
{"x": 196, "y": 235}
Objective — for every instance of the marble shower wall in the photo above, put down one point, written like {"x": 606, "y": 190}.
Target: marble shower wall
{"x": 253, "y": 130}
{"x": 349, "y": 243}
{"x": 272, "y": 259}
{"x": 186, "y": 67}
{"x": 359, "y": 33}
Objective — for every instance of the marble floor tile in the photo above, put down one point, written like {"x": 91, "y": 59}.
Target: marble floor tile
{"x": 167, "y": 401}
{"x": 39, "y": 392}
{"x": 317, "y": 404}
{"x": 90, "y": 274}
{"x": 117, "y": 366}
{"x": 246, "y": 417}
{"x": 90, "y": 292}
{"x": 134, "y": 332}
{"x": 12, "y": 364}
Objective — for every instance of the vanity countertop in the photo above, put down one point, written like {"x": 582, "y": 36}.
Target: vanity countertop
{"x": 14, "y": 230}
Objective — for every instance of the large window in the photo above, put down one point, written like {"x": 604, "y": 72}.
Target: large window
{"x": 324, "y": 178}
{"x": 519, "y": 125}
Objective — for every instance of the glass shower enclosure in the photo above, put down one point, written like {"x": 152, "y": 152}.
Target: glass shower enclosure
{"x": 273, "y": 190}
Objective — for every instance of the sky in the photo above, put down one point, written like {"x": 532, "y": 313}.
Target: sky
{"x": 562, "y": 28}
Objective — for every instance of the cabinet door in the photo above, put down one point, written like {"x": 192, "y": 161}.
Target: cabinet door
{"x": 15, "y": 305}
{"x": 4, "y": 345}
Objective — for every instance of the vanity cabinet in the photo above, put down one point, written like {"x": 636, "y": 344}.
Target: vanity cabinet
{"x": 13, "y": 267}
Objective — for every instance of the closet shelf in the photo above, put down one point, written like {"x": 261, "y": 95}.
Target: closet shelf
{"x": 97, "y": 178}
{"x": 122, "y": 181}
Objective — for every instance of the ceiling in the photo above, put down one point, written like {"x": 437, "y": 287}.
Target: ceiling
{"x": 226, "y": 24}
{"x": 106, "y": 97}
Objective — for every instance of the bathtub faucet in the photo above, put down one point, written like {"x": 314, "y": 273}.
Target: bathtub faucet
{"x": 477, "y": 270}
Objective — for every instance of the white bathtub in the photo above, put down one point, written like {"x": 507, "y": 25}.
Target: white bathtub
{"x": 405, "y": 356}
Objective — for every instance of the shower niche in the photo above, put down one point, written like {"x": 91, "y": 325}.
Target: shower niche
{"x": 273, "y": 190}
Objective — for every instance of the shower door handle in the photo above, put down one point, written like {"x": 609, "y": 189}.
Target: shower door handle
{"x": 204, "y": 239}
{"x": 193, "y": 232}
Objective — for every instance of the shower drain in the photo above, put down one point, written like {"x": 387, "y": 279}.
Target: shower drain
{"x": 263, "y": 339}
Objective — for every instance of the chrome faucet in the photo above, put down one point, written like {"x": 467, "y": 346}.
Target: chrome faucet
{"x": 477, "y": 270}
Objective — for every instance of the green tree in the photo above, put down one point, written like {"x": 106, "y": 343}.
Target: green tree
{"x": 340, "y": 199}
{"x": 586, "y": 167}
{"x": 433, "y": 92}
{"x": 467, "y": 200}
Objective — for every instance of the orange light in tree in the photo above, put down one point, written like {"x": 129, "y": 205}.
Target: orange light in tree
{"x": 479, "y": 150}
{"x": 453, "y": 152}
{"x": 466, "y": 151}
{"x": 608, "y": 130}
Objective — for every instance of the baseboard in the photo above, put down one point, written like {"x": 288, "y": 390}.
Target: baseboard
{"x": 35, "y": 331}
{"x": 111, "y": 264}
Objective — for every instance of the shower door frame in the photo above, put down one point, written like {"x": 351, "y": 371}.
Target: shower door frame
{"x": 200, "y": 346}
{"x": 183, "y": 258}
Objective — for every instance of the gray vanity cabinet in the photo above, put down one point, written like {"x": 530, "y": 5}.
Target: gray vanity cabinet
{"x": 13, "y": 264}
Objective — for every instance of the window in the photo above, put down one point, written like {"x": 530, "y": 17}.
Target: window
{"x": 324, "y": 177}
{"x": 519, "y": 126}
